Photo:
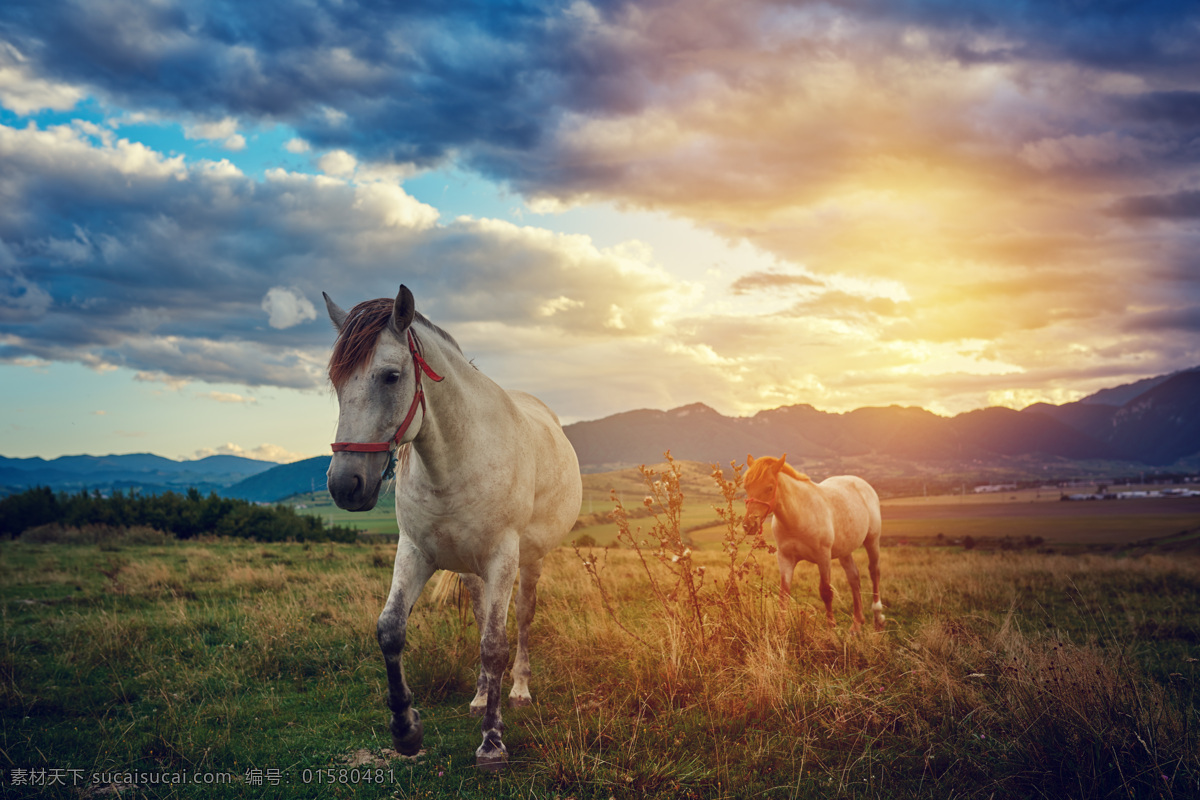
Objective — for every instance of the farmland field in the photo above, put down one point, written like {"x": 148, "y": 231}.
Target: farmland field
{"x": 1017, "y": 515}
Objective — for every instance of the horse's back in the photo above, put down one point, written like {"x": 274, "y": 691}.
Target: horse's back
{"x": 857, "y": 503}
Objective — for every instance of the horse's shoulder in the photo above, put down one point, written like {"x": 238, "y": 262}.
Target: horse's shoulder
{"x": 532, "y": 406}
{"x": 536, "y": 415}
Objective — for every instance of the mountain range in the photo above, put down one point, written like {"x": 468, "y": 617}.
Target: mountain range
{"x": 144, "y": 471}
{"x": 1153, "y": 422}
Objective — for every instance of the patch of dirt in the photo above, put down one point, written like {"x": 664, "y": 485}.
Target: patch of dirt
{"x": 377, "y": 759}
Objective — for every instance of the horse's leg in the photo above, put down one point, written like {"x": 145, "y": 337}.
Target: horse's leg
{"x": 493, "y": 646}
{"x": 526, "y": 606}
{"x": 872, "y": 545}
{"x": 825, "y": 567}
{"x": 787, "y": 568}
{"x": 474, "y": 585}
{"x": 855, "y": 591}
{"x": 409, "y": 575}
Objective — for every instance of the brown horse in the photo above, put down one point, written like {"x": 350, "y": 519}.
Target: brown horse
{"x": 817, "y": 522}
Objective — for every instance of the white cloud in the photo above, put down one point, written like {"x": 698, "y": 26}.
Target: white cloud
{"x": 223, "y": 130}
{"x": 228, "y": 397}
{"x": 264, "y": 452}
{"x": 220, "y": 129}
{"x": 560, "y": 303}
{"x": 296, "y": 145}
{"x": 287, "y": 308}
{"x": 170, "y": 381}
{"x": 338, "y": 163}
{"x": 25, "y": 93}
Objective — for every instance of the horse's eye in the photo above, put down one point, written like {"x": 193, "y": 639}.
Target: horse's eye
{"x": 391, "y": 377}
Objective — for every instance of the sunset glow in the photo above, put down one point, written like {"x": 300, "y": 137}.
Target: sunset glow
{"x": 611, "y": 205}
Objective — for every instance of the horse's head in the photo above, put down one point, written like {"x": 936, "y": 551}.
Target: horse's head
{"x": 761, "y": 482}
{"x": 374, "y": 372}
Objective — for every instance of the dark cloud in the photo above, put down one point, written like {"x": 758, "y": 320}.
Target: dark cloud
{"x": 1157, "y": 35}
{"x": 493, "y": 83}
{"x": 1179, "y": 108}
{"x": 1180, "y": 205}
{"x": 760, "y": 281}
{"x": 407, "y": 82}
{"x": 1174, "y": 320}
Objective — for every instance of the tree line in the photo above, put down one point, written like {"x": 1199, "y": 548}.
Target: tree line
{"x": 180, "y": 515}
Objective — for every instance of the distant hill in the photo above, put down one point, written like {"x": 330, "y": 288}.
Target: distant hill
{"x": 1120, "y": 395}
{"x": 1157, "y": 426}
{"x": 1161, "y": 425}
{"x": 146, "y": 471}
{"x": 1157, "y": 423}
{"x": 282, "y": 481}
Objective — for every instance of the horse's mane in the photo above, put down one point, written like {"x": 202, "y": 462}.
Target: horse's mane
{"x": 360, "y": 334}
{"x": 767, "y": 463}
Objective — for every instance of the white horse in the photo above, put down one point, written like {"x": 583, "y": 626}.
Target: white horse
{"x": 487, "y": 484}
{"x": 817, "y": 522}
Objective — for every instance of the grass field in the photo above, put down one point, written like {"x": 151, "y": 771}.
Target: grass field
{"x": 999, "y": 675}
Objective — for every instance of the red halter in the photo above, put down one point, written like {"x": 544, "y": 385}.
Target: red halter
{"x": 770, "y": 506}
{"x": 419, "y": 366}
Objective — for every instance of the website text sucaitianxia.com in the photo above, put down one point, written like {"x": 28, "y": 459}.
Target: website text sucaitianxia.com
{"x": 254, "y": 776}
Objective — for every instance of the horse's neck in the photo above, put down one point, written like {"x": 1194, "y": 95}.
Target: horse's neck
{"x": 457, "y": 413}
{"x": 795, "y": 497}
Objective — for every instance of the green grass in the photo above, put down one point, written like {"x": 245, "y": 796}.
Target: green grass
{"x": 380, "y": 519}
{"x": 1000, "y": 674}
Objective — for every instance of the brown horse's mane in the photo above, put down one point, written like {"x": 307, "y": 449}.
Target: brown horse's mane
{"x": 360, "y": 334}
{"x": 768, "y": 463}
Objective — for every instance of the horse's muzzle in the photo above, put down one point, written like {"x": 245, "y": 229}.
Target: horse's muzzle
{"x": 353, "y": 480}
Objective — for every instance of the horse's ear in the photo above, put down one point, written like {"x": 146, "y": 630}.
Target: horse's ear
{"x": 779, "y": 464}
{"x": 403, "y": 311}
{"x": 336, "y": 315}
{"x": 749, "y": 459}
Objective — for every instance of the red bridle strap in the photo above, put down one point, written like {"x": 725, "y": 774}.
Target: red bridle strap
{"x": 419, "y": 366}
{"x": 770, "y": 506}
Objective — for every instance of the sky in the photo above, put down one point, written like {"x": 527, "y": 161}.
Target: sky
{"x": 613, "y": 205}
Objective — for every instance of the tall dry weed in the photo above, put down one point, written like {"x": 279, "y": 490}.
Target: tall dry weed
{"x": 705, "y": 616}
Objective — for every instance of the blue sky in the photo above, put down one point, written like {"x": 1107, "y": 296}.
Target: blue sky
{"x": 611, "y": 205}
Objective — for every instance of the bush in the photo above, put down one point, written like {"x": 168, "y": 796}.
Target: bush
{"x": 94, "y": 519}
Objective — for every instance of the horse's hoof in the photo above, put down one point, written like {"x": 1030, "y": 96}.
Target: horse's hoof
{"x": 408, "y": 742}
{"x": 491, "y": 755}
{"x": 519, "y": 702}
{"x": 477, "y": 711}
{"x": 493, "y": 762}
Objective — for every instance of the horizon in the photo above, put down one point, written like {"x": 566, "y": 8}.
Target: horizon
{"x": 598, "y": 419}
{"x": 949, "y": 207}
